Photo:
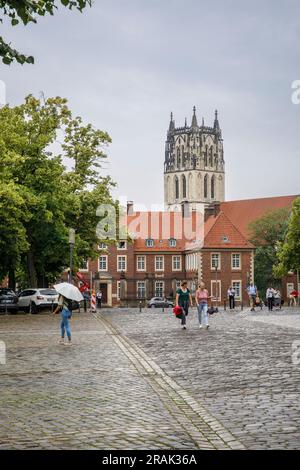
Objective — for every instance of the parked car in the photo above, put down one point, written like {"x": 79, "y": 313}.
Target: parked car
{"x": 8, "y": 300}
{"x": 37, "y": 299}
{"x": 159, "y": 302}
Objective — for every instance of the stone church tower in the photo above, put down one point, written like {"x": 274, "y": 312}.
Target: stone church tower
{"x": 194, "y": 170}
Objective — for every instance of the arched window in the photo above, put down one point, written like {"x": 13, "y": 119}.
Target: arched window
{"x": 183, "y": 181}
{"x": 178, "y": 157}
{"x": 211, "y": 157}
{"x": 176, "y": 188}
{"x": 212, "y": 187}
{"x": 205, "y": 155}
{"x": 205, "y": 185}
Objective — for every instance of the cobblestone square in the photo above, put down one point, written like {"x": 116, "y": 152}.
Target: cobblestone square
{"x": 135, "y": 380}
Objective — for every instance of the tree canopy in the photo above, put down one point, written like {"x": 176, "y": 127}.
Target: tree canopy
{"x": 288, "y": 253}
{"x": 266, "y": 233}
{"x": 40, "y": 199}
{"x": 27, "y": 11}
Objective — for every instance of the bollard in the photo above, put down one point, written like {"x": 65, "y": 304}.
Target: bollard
{"x": 163, "y": 308}
{"x": 140, "y": 306}
{"x": 224, "y": 305}
{"x": 242, "y": 306}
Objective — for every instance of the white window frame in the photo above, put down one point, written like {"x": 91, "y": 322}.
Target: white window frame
{"x": 118, "y": 263}
{"x": 137, "y": 263}
{"x": 172, "y": 242}
{"x": 122, "y": 249}
{"x": 213, "y": 289}
{"x": 237, "y": 281}
{"x": 143, "y": 284}
{"x": 151, "y": 241}
{"x": 219, "y": 261}
{"x": 85, "y": 270}
{"x": 163, "y": 263}
{"x": 173, "y": 263}
{"x": 236, "y": 268}
{"x": 163, "y": 289}
{"x": 102, "y": 246}
{"x": 106, "y": 263}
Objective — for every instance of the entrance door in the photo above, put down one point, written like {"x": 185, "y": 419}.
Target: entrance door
{"x": 103, "y": 288}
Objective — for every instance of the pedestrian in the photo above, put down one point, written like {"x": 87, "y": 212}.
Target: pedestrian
{"x": 293, "y": 298}
{"x": 65, "y": 312}
{"x": 201, "y": 302}
{"x": 184, "y": 300}
{"x": 270, "y": 297}
{"x": 99, "y": 298}
{"x": 277, "y": 298}
{"x": 86, "y": 298}
{"x": 252, "y": 293}
{"x": 231, "y": 297}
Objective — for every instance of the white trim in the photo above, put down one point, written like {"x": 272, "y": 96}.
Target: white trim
{"x": 163, "y": 290}
{"x": 106, "y": 257}
{"x": 234, "y": 268}
{"x": 180, "y": 263}
{"x": 118, "y": 290}
{"x": 122, "y": 249}
{"x": 241, "y": 285}
{"x": 137, "y": 263}
{"x": 213, "y": 289}
{"x": 85, "y": 270}
{"x": 118, "y": 257}
{"x": 163, "y": 263}
{"x": 219, "y": 262}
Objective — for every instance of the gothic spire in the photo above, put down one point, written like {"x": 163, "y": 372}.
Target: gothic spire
{"x": 216, "y": 123}
{"x": 172, "y": 123}
{"x": 194, "y": 119}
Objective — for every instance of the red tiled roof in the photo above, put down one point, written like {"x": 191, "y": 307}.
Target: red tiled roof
{"x": 242, "y": 212}
{"x": 221, "y": 233}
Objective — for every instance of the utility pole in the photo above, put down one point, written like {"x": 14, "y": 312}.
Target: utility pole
{"x": 72, "y": 244}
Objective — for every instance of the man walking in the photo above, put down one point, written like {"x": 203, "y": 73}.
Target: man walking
{"x": 231, "y": 297}
{"x": 99, "y": 298}
{"x": 252, "y": 293}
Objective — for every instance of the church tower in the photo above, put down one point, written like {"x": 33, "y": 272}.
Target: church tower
{"x": 194, "y": 168}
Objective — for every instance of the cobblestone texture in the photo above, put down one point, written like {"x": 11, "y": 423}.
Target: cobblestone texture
{"x": 136, "y": 380}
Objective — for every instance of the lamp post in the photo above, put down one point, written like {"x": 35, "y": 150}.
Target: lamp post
{"x": 72, "y": 244}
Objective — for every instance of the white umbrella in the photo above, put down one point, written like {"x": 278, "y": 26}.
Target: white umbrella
{"x": 69, "y": 291}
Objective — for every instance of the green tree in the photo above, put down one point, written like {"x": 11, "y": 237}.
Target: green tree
{"x": 288, "y": 253}
{"x": 51, "y": 199}
{"x": 266, "y": 233}
{"x": 26, "y": 11}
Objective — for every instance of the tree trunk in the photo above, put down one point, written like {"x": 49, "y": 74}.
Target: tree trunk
{"x": 11, "y": 279}
{"x": 32, "y": 277}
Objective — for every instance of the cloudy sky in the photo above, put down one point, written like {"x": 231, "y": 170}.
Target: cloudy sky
{"x": 125, "y": 64}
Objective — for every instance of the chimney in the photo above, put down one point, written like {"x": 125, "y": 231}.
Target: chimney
{"x": 129, "y": 207}
{"x": 212, "y": 210}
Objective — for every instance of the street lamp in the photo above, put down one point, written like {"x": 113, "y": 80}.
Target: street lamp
{"x": 217, "y": 290}
{"x": 72, "y": 244}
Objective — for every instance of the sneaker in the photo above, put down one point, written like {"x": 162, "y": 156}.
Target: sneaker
{"x": 69, "y": 343}
{"x": 200, "y": 326}
{"x": 207, "y": 326}
{"x": 184, "y": 327}
{"x": 61, "y": 341}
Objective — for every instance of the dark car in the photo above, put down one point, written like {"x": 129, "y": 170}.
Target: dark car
{"x": 159, "y": 302}
{"x": 8, "y": 300}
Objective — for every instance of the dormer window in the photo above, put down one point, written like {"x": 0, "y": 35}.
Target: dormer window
{"x": 225, "y": 239}
{"x": 172, "y": 242}
{"x": 149, "y": 243}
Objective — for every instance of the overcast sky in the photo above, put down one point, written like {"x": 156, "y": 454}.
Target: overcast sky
{"x": 125, "y": 64}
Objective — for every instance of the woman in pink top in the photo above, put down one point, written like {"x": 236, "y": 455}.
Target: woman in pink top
{"x": 202, "y": 306}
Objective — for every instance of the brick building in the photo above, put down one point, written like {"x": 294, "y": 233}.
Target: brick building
{"x": 199, "y": 237}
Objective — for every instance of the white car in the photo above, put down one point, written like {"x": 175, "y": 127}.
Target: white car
{"x": 35, "y": 300}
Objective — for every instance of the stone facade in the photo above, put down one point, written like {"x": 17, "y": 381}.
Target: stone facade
{"x": 194, "y": 168}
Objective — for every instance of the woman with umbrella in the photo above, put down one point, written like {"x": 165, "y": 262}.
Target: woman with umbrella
{"x": 67, "y": 293}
